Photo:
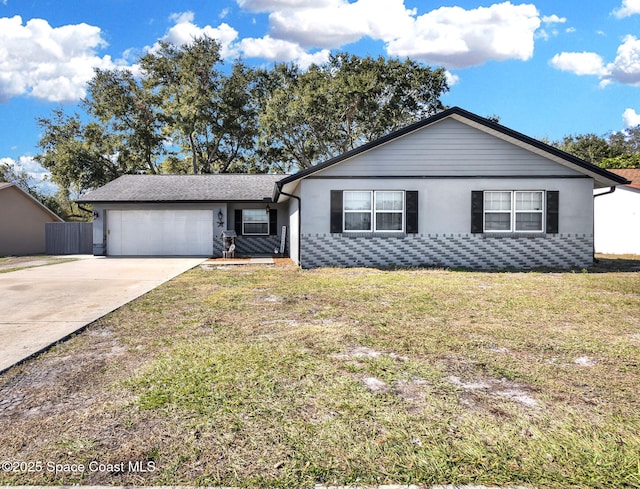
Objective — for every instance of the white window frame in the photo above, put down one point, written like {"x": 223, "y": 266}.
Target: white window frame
{"x": 346, "y": 211}
{"x": 513, "y": 212}
{"x": 373, "y": 212}
{"x": 244, "y": 221}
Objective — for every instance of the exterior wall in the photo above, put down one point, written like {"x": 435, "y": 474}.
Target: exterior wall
{"x": 259, "y": 245}
{"x": 22, "y": 224}
{"x": 444, "y": 225}
{"x": 617, "y": 222}
{"x": 294, "y": 227}
{"x": 478, "y": 251}
{"x": 245, "y": 245}
{"x": 448, "y": 148}
{"x": 99, "y": 231}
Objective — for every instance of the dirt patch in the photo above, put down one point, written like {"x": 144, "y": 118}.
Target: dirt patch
{"x": 585, "y": 361}
{"x": 376, "y": 386}
{"x": 411, "y": 390}
{"x": 359, "y": 352}
{"x": 502, "y": 388}
{"x": 269, "y": 298}
{"x": 59, "y": 383}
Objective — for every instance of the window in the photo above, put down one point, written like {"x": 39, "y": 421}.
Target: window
{"x": 497, "y": 211}
{"x": 374, "y": 210}
{"x": 357, "y": 211}
{"x": 255, "y": 222}
{"x": 528, "y": 211}
{"x": 389, "y": 211}
{"x": 519, "y": 211}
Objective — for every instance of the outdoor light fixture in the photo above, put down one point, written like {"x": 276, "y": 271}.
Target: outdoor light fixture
{"x": 96, "y": 215}
{"x": 268, "y": 208}
{"x": 220, "y": 219}
{"x": 220, "y": 216}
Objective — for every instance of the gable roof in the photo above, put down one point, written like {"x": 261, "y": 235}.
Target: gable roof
{"x": 185, "y": 188}
{"x": 33, "y": 200}
{"x": 603, "y": 177}
{"x": 631, "y": 174}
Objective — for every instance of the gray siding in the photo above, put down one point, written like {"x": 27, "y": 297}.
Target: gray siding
{"x": 448, "y": 148}
{"x": 444, "y": 205}
{"x": 444, "y": 235}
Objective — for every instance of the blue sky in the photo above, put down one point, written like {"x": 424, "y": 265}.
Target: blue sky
{"x": 546, "y": 68}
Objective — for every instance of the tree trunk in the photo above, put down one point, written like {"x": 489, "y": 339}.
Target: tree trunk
{"x": 194, "y": 158}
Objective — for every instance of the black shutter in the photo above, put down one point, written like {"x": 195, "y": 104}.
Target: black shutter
{"x": 553, "y": 211}
{"x": 411, "y": 217}
{"x": 477, "y": 211}
{"x": 273, "y": 222}
{"x": 238, "y": 222}
{"x": 336, "y": 211}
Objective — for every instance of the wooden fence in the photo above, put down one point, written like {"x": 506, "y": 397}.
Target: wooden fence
{"x": 69, "y": 238}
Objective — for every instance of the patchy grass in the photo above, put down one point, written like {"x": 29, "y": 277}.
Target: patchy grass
{"x": 273, "y": 376}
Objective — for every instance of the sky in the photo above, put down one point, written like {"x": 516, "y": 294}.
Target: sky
{"x": 546, "y": 68}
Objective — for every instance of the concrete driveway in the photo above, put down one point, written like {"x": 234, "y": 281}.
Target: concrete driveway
{"x": 40, "y": 306}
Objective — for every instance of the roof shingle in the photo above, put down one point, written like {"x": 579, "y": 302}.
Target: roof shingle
{"x": 186, "y": 188}
{"x": 631, "y": 174}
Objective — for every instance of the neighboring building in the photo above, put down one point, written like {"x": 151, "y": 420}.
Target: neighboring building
{"x": 617, "y": 216}
{"x": 453, "y": 190}
{"x": 22, "y": 222}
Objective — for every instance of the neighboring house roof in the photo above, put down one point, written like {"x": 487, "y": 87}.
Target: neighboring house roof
{"x": 631, "y": 174}
{"x": 186, "y": 188}
{"x": 603, "y": 177}
{"x": 7, "y": 185}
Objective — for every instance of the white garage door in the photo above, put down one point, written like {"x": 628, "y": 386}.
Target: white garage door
{"x": 160, "y": 232}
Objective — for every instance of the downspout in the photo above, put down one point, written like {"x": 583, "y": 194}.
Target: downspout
{"x": 299, "y": 222}
{"x": 610, "y": 191}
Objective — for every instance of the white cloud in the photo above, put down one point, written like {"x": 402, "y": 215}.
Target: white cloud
{"x": 280, "y": 50}
{"x": 271, "y": 5}
{"x": 451, "y": 78}
{"x": 185, "y": 31}
{"x": 549, "y": 21}
{"x": 553, "y": 19}
{"x": 39, "y": 176}
{"x": 630, "y": 118}
{"x": 49, "y": 63}
{"x": 628, "y": 8}
{"x": 625, "y": 68}
{"x": 579, "y": 63}
{"x": 459, "y": 38}
{"x": 452, "y": 36}
{"x": 334, "y": 24}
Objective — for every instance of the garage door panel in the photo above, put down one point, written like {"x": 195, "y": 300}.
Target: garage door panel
{"x": 160, "y": 232}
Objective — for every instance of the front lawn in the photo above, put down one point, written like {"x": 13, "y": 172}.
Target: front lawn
{"x": 273, "y": 376}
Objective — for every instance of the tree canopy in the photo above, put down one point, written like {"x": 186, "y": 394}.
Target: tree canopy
{"x": 183, "y": 111}
{"x": 614, "y": 150}
{"x": 310, "y": 116}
